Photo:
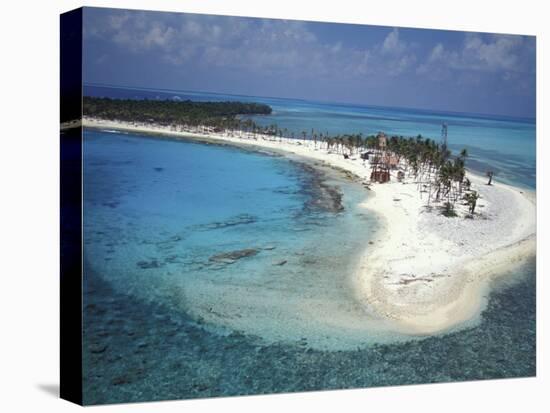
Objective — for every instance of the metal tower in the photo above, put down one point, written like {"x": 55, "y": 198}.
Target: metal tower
{"x": 444, "y": 135}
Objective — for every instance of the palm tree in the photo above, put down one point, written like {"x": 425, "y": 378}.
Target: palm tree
{"x": 471, "y": 200}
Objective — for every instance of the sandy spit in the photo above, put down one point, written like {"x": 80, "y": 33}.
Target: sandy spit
{"x": 424, "y": 273}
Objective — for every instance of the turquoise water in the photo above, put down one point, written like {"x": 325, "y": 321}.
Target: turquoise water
{"x": 168, "y": 220}
{"x": 167, "y": 315}
{"x": 141, "y": 351}
{"x": 505, "y": 145}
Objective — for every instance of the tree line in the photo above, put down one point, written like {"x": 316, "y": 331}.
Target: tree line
{"x": 170, "y": 112}
{"x": 437, "y": 172}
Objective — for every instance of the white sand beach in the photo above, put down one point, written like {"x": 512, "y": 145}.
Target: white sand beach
{"x": 423, "y": 273}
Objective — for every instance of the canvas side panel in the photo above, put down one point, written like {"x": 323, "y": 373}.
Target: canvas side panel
{"x": 71, "y": 206}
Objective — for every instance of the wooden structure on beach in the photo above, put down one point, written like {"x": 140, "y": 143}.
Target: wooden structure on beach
{"x": 382, "y": 161}
{"x": 380, "y": 175}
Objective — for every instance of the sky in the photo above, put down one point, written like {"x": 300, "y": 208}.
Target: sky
{"x": 360, "y": 64}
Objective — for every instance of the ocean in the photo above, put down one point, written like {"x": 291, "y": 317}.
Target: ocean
{"x": 502, "y": 144}
{"x": 211, "y": 270}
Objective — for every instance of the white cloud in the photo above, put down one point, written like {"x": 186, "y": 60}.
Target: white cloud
{"x": 117, "y": 21}
{"x": 293, "y": 49}
{"x": 489, "y": 53}
{"x": 394, "y": 56}
{"x": 362, "y": 62}
{"x": 271, "y": 46}
{"x": 438, "y": 53}
{"x": 402, "y": 64}
{"x": 159, "y": 36}
{"x": 392, "y": 44}
{"x": 498, "y": 53}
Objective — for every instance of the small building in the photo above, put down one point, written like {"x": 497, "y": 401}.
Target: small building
{"x": 365, "y": 155}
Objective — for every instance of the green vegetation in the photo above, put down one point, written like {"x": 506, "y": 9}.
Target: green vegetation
{"x": 170, "y": 113}
{"x": 471, "y": 199}
{"x": 437, "y": 172}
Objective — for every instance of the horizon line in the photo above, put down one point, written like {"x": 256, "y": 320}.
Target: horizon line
{"x": 528, "y": 118}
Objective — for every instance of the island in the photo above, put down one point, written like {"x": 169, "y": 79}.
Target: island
{"x": 445, "y": 232}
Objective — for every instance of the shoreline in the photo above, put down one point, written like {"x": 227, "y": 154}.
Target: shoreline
{"x": 447, "y": 286}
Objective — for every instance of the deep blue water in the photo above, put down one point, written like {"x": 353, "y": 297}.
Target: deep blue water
{"x": 503, "y": 144}
{"x": 165, "y": 317}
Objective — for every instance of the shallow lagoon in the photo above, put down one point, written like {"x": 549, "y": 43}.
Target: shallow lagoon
{"x": 157, "y": 304}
